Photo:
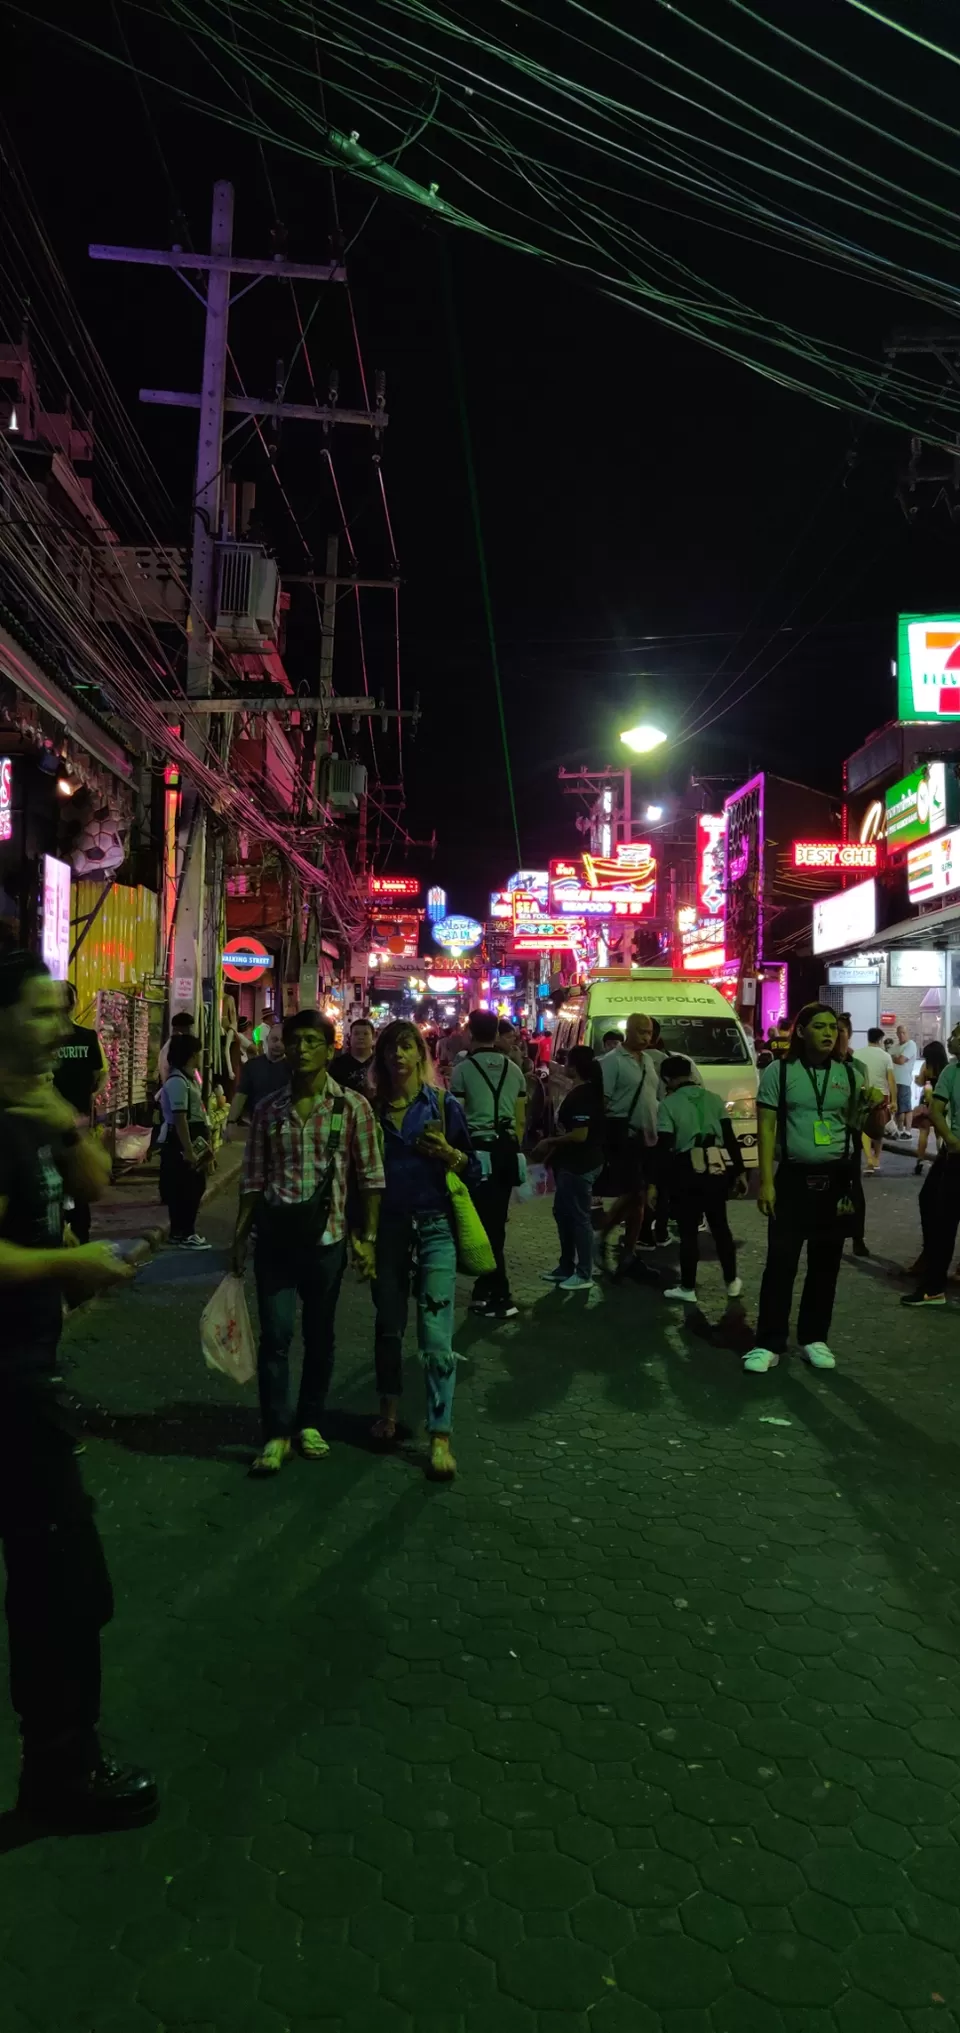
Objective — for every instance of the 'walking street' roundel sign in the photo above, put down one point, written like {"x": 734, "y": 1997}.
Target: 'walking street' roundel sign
{"x": 244, "y": 959}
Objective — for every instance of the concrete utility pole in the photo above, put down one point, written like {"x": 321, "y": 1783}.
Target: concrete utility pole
{"x": 311, "y": 956}
{"x": 194, "y": 954}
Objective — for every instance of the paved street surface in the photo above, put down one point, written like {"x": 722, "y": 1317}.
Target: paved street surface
{"x": 652, "y": 1721}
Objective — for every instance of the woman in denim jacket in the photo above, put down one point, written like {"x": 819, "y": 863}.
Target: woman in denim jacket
{"x": 423, "y": 1139}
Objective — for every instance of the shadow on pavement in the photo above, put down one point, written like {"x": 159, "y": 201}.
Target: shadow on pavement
{"x": 586, "y": 1334}
{"x": 211, "y": 1432}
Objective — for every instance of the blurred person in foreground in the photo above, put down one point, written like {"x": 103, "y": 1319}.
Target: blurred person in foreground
{"x": 80, "y": 1074}
{"x": 58, "y": 1589}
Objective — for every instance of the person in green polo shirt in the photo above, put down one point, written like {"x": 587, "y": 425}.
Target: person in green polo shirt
{"x": 811, "y": 1108}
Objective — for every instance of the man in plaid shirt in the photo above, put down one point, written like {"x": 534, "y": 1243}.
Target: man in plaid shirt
{"x": 304, "y": 1143}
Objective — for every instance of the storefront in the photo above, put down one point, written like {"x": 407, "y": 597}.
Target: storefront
{"x": 903, "y": 973}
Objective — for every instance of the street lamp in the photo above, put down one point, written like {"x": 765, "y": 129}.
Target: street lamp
{"x": 644, "y": 738}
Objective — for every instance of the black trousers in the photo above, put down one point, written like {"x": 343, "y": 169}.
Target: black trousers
{"x": 492, "y": 1202}
{"x": 940, "y": 1216}
{"x": 58, "y": 1589}
{"x": 181, "y": 1189}
{"x": 801, "y": 1217}
{"x": 708, "y": 1197}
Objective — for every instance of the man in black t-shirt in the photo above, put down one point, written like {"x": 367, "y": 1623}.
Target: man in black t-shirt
{"x": 261, "y": 1077}
{"x": 576, "y": 1154}
{"x": 58, "y": 1589}
{"x": 351, "y": 1068}
{"x": 79, "y": 1075}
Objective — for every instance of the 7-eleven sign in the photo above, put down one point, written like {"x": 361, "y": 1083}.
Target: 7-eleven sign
{"x": 928, "y": 667}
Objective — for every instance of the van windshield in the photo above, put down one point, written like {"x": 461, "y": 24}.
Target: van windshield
{"x": 711, "y": 1041}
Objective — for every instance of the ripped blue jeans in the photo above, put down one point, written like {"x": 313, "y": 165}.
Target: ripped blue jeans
{"x": 417, "y": 1250}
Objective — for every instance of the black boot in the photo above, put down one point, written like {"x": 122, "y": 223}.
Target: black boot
{"x": 107, "y": 1796}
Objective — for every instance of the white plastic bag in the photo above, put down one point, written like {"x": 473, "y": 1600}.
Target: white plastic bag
{"x": 226, "y": 1335}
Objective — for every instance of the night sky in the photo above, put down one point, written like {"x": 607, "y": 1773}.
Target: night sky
{"x": 653, "y": 513}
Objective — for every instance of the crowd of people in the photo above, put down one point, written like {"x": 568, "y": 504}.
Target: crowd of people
{"x": 365, "y": 1156}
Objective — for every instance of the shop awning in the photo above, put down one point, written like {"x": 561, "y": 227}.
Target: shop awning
{"x": 937, "y": 930}
{"x": 18, "y": 666}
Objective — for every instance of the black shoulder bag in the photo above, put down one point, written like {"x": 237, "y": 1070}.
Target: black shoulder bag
{"x": 291, "y": 1229}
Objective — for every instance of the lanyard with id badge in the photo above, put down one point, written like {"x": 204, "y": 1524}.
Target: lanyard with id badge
{"x": 829, "y": 1186}
{"x": 822, "y": 1132}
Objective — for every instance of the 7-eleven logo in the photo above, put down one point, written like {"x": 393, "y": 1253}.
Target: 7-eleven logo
{"x": 935, "y": 668}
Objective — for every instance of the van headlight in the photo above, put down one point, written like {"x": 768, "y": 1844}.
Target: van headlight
{"x": 744, "y": 1106}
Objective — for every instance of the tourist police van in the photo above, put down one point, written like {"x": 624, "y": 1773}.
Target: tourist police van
{"x": 694, "y": 1019}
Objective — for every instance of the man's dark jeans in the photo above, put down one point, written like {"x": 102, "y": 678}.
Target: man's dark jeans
{"x": 315, "y": 1275}
{"x": 58, "y": 1589}
{"x": 492, "y": 1202}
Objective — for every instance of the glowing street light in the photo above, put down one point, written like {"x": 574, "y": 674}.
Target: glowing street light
{"x": 643, "y": 739}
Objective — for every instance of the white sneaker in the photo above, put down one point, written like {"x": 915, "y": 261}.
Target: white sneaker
{"x": 681, "y": 1292}
{"x": 734, "y": 1288}
{"x": 195, "y": 1242}
{"x": 818, "y": 1355}
{"x": 760, "y": 1359}
{"x": 575, "y": 1284}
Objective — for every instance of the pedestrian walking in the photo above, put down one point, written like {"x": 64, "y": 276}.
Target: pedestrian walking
{"x": 58, "y": 1595}
{"x": 940, "y": 1193}
{"x": 904, "y": 1056}
{"x": 80, "y": 1074}
{"x": 425, "y": 1136}
{"x": 934, "y": 1062}
{"x": 261, "y": 1075}
{"x": 186, "y": 1150}
{"x": 492, "y": 1091}
{"x": 810, "y": 1108}
{"x": 693, "y": 1131}
{"x": 352, "y": 1068}
{"x": 878, "y": 1072}
{"x": 302, "y": 1145}
{"x": 631, "y": 1088}
{"x": 576, "y": 1154}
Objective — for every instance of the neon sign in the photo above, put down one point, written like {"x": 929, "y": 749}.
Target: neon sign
{"x": 393, "y": 885}
{"x": 928, "y": 667}
{"x": 623, "y": 885}
{"x": 6, "y": 798}
{"x": 501, "y": 903}
{"x": 547, "y": 935}
{"x": 457, "y": 935}
{"x": 711, "y": 841}
{"x": 835, "y": 854}
{"x": 436, "y": 905}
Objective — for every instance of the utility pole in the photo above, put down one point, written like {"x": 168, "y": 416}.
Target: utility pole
{"x": 194, "y": 955}
{"x": 312, "y": 955}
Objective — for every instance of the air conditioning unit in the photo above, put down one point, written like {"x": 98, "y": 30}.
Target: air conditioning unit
{"x": 248, "y": 597}
{"x": 343, "y": 784}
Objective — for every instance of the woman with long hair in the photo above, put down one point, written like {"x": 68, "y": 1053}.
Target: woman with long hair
{"x": 811, "y": 1109}
{"x": 935, "y": 1060}
{"x": 425, "y": 1136}
{"x": 576, "y": 1154}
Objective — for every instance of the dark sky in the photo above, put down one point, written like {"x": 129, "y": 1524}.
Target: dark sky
{"x": 632, "y": 485}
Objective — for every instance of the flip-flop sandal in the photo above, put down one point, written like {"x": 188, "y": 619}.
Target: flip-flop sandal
{"x": 313, "y": 1446}
{"x": 443, "y": 1468}
{"x": 271, "y": 1458}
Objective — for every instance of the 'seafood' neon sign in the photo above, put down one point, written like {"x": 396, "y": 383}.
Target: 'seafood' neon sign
{"x": 835, "y": 854}
{"x": 6, "y": 798}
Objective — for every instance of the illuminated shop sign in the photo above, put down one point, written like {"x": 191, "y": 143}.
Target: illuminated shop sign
{"x": 436, "y": 905}
{"x": 536, "y": 880}
{"x": 845, "y": 920}
{"x": 835, "y": 854}
{"x": 921, "y": 804}
{"x": 547, "y": 935}
{"x": 501, "y": 903}
{"x": 711, "y": 851}
{"x": 458, "y": 935}
{"x": 55, "y": 938}
{"x": 623, "y": 885}
{"x": 393, "y": 885}
{"x": 928, "y": 667}
{"x": 6, "y": 798}
{"x": 245, "y": 959}
{"x": 701, "y": 941}
{"x": 933, "y": 869}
